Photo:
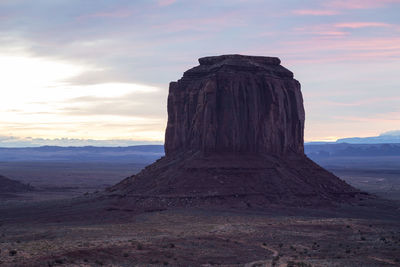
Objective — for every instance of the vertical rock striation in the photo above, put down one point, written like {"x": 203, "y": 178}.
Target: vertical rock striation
{"x": 235, "y": 103}
{"x": 235, "y": 134}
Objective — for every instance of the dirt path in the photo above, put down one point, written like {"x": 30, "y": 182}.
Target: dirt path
{"x": 383, "y": 260}
{"x": 273, "y": 262}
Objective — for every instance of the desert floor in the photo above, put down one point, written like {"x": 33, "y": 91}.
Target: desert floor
{"x": 341, "y": 236}
{"x": 51, "y": 227}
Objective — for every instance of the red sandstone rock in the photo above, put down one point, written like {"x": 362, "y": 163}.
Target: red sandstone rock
{"x": 234, "y": 134}
{"x": 235, "y": 103}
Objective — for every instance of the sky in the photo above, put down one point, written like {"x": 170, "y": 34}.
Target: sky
{"x": 76, "y": 71}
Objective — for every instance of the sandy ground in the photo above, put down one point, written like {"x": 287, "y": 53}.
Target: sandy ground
{"x": 46, "y": 228}
{"x": 205, "y": 237}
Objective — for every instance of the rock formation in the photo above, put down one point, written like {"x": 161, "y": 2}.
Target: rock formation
{"x": 11, "y": 186}
{"x": 235, "y": 134}
{"x": 235, "y": 104}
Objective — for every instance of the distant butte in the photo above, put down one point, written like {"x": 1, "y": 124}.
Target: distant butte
{"x": 235, "y": 137}
{"x": 8, "y": 186}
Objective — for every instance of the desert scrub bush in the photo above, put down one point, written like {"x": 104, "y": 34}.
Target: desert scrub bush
{"x": 99, "y": 262}
{"x": 12, "y": 252}
{"x": 297, "y": 264}
{"x": 275, "y": 260}
{"x": 59, "y": 261}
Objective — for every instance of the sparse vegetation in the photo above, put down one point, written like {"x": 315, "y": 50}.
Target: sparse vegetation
{"x": 59, "y": 261}
{"x": 298, "y": 264}
{"x": 98, "y": 262}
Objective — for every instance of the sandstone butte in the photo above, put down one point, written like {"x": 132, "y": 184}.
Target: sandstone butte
{"x": 235, "y": 136}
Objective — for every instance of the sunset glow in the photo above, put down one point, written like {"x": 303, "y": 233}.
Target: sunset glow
{"x": 102, "y": 71}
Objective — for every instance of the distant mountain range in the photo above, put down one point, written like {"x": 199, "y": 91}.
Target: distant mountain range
{"x": 12, "y": 141}
{"x": 351, "y": 150}
{"x": 150, "y": 153}
{"x": 135, "y": 154}
{"x": 384, "y": 138}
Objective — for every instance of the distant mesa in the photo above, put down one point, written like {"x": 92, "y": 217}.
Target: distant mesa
{"x": 11, "y": 186}
{"x": 235, "y": 137}
{"x": 235, "y": 104}
{"x": 391, "y": 137}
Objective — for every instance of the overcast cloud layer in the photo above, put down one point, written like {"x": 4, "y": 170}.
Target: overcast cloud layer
{"x": 100, "y": 69}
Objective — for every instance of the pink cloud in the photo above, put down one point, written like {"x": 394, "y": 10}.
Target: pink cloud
{"x": 391, "y": 117}
{"x": 202, "y": 24}
{"x": 315, "y": 12}
{"x": 335, "y": 7}
{"x": 365, "y": 102}
{"x": 323, "y": 49}
{"x": 359, "y": 4}
{"x": 338, "y": 29}
{"x": 321, "y": 30}
{"x": 357, "y": 25}
{"x": 166, "y": 2}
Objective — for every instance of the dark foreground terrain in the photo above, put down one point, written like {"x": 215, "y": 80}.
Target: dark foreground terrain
{"x": 48, "y": 227}
{"x": 58, "y": 180}
{"x": 95, "y": 235}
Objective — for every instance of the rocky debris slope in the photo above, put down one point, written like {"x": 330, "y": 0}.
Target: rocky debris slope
{"x": 11, "y": 186}
{"x": 235, "y": 135}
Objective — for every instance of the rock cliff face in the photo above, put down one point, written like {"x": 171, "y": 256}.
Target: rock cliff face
{"x": 234, "y": 135}
{"x": 235, "y": 103}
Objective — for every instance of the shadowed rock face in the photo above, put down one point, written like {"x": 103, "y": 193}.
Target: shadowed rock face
{"x": 235, "y": 103}
{"x": 234, "y": 135}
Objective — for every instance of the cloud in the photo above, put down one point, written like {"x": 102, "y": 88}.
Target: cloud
{"x": 359, "y": 4}
{"x": 392, "y": 117}
{"x": 142, "y": 43}
{"x": 209, "y": 23}
{"x": 138, "y": 104}
{"x": 336, "y": 7}
{"x": 121, "y": 13}
{"x": 12, "y": 141}
{"x": 315, "y": 12}
{"x": 357, "y": 25}
{"x": 164, "y": 3}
